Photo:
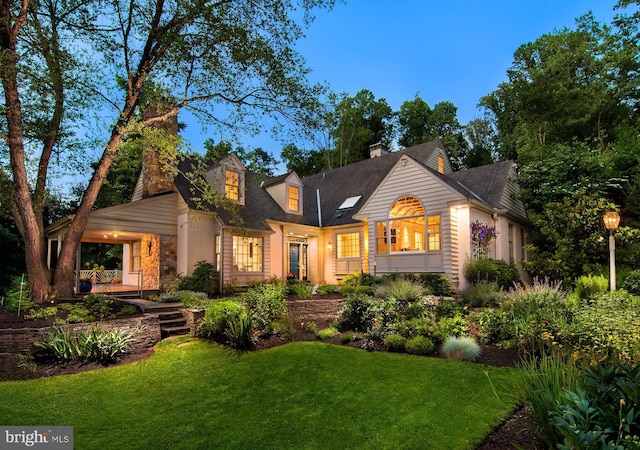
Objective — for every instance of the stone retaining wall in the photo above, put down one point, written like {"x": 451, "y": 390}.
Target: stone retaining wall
{"x": 193, "y": 316}
{"x": 21, "y": 340}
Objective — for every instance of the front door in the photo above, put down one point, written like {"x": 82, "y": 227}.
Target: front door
{"x": 298, "y": 260}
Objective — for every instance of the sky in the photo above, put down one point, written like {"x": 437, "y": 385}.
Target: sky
{"x": 456, "y": 50}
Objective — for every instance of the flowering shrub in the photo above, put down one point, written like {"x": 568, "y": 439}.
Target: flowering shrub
{"x": 481, "y": 235}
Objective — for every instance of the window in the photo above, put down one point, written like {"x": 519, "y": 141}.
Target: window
{"x": 348, "y": 245}
{"x": 247, "y": 254}
{"x": 135, "y": 256}
{"x": 440, "y": 164}
{"x": 294, "y": 198}
{"x": 217, "y": 250}
{"x": 406, "y": 229}
{"x": 433, "y": 228}
{"x": 512, "y": 248}
{"x": 232, "y": 185}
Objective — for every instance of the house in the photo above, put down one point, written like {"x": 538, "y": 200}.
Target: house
{"x": 403, "y": 211}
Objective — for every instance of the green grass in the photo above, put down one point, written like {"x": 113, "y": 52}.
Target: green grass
{"x": 306, "y": 395}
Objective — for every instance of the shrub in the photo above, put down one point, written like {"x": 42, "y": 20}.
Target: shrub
{"x": 632, "y": 282}
{"x": 493, "y": 270}
{"x": 395, "y": 343}
{"x": 266, "y": 304}
{"x": 461, "y": 348}
{"x": 327, "y": 333}
{"x": 482, "y": 295}
{"x": 41, "y": 313}
{"x": 495, "y": 325}
{"x": 363, "y": 290}
{"x": 588, "y": 286}
{"x": 416, "y": 327}
{"x": 415, "y": 310}
{"x": 439, "y": 285}
{"x": 312, "y": 327}
{"x": 240, "y": 335}
{"x": 189, "y": 299}
{"x": 419, "y": 345}
{"x": 544, "y": 380}
{"x": 94, "y": 343}
{"x": 100, "y": 306}
{"x": 128, "y": 310}
{"x": 203, "y": 279}
{"x": 447, "y": 308}
{"x": 78, "y": 313}
{"x": 355, "y": 311}
{"x": 403, "y": 290}
{"x": 301, "y": 289}
{"x": 217, "y": 316}
{"x": 324, "y": 289}
{"x": 602, "y": 411}
{"x": 451, "y": 327}
{"x": 17, "y": 297}
{"x": 285, "y": 327}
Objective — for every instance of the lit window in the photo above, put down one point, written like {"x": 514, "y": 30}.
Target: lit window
{"x": 440, "y": 164}
{"x": 217, "y": 252}
{"x": 294, "y": 198}
{"x": 135, "y": 256}
{"x": 348, "y": 245}
{"x": 247, "y": 254}
{"x": 433, "y": 228}
{"x": 232, "y": 185}
{"x": 408, "y": 228}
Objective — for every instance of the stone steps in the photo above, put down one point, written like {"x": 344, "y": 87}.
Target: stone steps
{"x": 172, "y": 323}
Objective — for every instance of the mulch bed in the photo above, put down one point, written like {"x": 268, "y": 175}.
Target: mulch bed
{"x": 517, "y": 431}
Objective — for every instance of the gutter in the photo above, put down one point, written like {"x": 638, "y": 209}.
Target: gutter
{"x": 319, "y": 208}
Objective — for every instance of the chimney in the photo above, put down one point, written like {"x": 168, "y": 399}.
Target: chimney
{"x": 155, "y": 179}
{"x": 378, "y": 149}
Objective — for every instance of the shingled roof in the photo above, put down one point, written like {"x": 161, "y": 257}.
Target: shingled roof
{"x": 485, "y": 184}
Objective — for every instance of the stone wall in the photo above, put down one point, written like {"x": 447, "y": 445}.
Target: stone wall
{"x": 168, "y": 261}
{"x": 21, "y": 340}
{"x": 193, "y": 316}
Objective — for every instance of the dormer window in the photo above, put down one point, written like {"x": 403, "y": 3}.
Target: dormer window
{"x": 294, "y": 199}
{"x": 440, "y": 164}
{"x": 232, "y": 185}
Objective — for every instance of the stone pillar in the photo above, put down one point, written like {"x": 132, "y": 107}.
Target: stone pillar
{"x": 168, "y": 260}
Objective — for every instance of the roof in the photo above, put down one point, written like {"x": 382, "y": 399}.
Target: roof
{"x": 485, "y": 184}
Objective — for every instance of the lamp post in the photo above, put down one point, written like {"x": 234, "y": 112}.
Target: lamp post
{"x": 611, "y": 221}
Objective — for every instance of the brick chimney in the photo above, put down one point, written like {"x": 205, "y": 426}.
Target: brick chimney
{"x": 156, "y": 180}
{"x": 378, "y": 149}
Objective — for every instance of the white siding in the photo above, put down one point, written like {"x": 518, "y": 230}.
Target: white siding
{"x": 408, "y": 178}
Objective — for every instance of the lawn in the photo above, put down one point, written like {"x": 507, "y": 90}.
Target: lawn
{"x": 305, "y": 395}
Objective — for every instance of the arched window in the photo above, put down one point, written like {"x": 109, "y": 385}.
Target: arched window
{"x": 406, "y": 228}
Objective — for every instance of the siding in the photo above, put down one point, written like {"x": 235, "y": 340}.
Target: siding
{"x": 510, "y": 198}
{"x": 156, "y": 215}
{"x": 408, "y": 178}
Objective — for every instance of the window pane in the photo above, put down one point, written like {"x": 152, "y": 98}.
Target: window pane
{"x": 407, "y": 234}
{"x": 381, "y": 235}
{"x": 135, "y": 256}
{"x": 405, "y": 207}
{"x": 348, "y": 245}
{"x": 294, "y": 198}
{"x": 247, "y": 254}
{"x": 433, "y": 228}
{"x": 232, "y": 185}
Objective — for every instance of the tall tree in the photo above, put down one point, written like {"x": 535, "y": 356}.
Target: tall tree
{"x": 419, "y": 123}
{"x": 360, "y": 121}
{"x": 238, "y": 54}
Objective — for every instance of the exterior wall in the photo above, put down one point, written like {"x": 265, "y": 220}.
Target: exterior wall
{"x": 484, "y": 217}
{"x": 433, "y": 160}
{"x": 463, "y": 225}
{"x": 168, "y": 261}
{"x": 195, "y": 240}
{"x": 435, "y": 197}
{"x": 335, "y": 269}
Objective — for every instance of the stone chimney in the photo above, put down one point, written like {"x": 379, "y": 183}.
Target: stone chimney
{"x": 378, "y": 149}
{"x": 156, "y": 180}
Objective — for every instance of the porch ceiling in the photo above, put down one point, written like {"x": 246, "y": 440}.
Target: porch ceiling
{"x": 110, "y": 236}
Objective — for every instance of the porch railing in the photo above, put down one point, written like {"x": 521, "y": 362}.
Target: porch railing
{"x": 101, "y": 276}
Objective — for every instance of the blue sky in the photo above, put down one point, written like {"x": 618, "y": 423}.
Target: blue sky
{"x": 454, "y": 51}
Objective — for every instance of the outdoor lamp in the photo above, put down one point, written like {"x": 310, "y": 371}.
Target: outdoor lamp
{"x": 611, "y": 222}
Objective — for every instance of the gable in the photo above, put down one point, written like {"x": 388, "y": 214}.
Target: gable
{"x": 409, "y": 178}
{"x": 287, "y": 191}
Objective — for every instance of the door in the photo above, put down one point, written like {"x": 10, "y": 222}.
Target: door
{"x": 298, "y": 261}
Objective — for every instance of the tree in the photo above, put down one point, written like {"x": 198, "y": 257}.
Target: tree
{"x": 56, "y": 57}
{"x": 419, "y": 123}
{"x": 360, "y": 121}
{"x": 481, "y": 137}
